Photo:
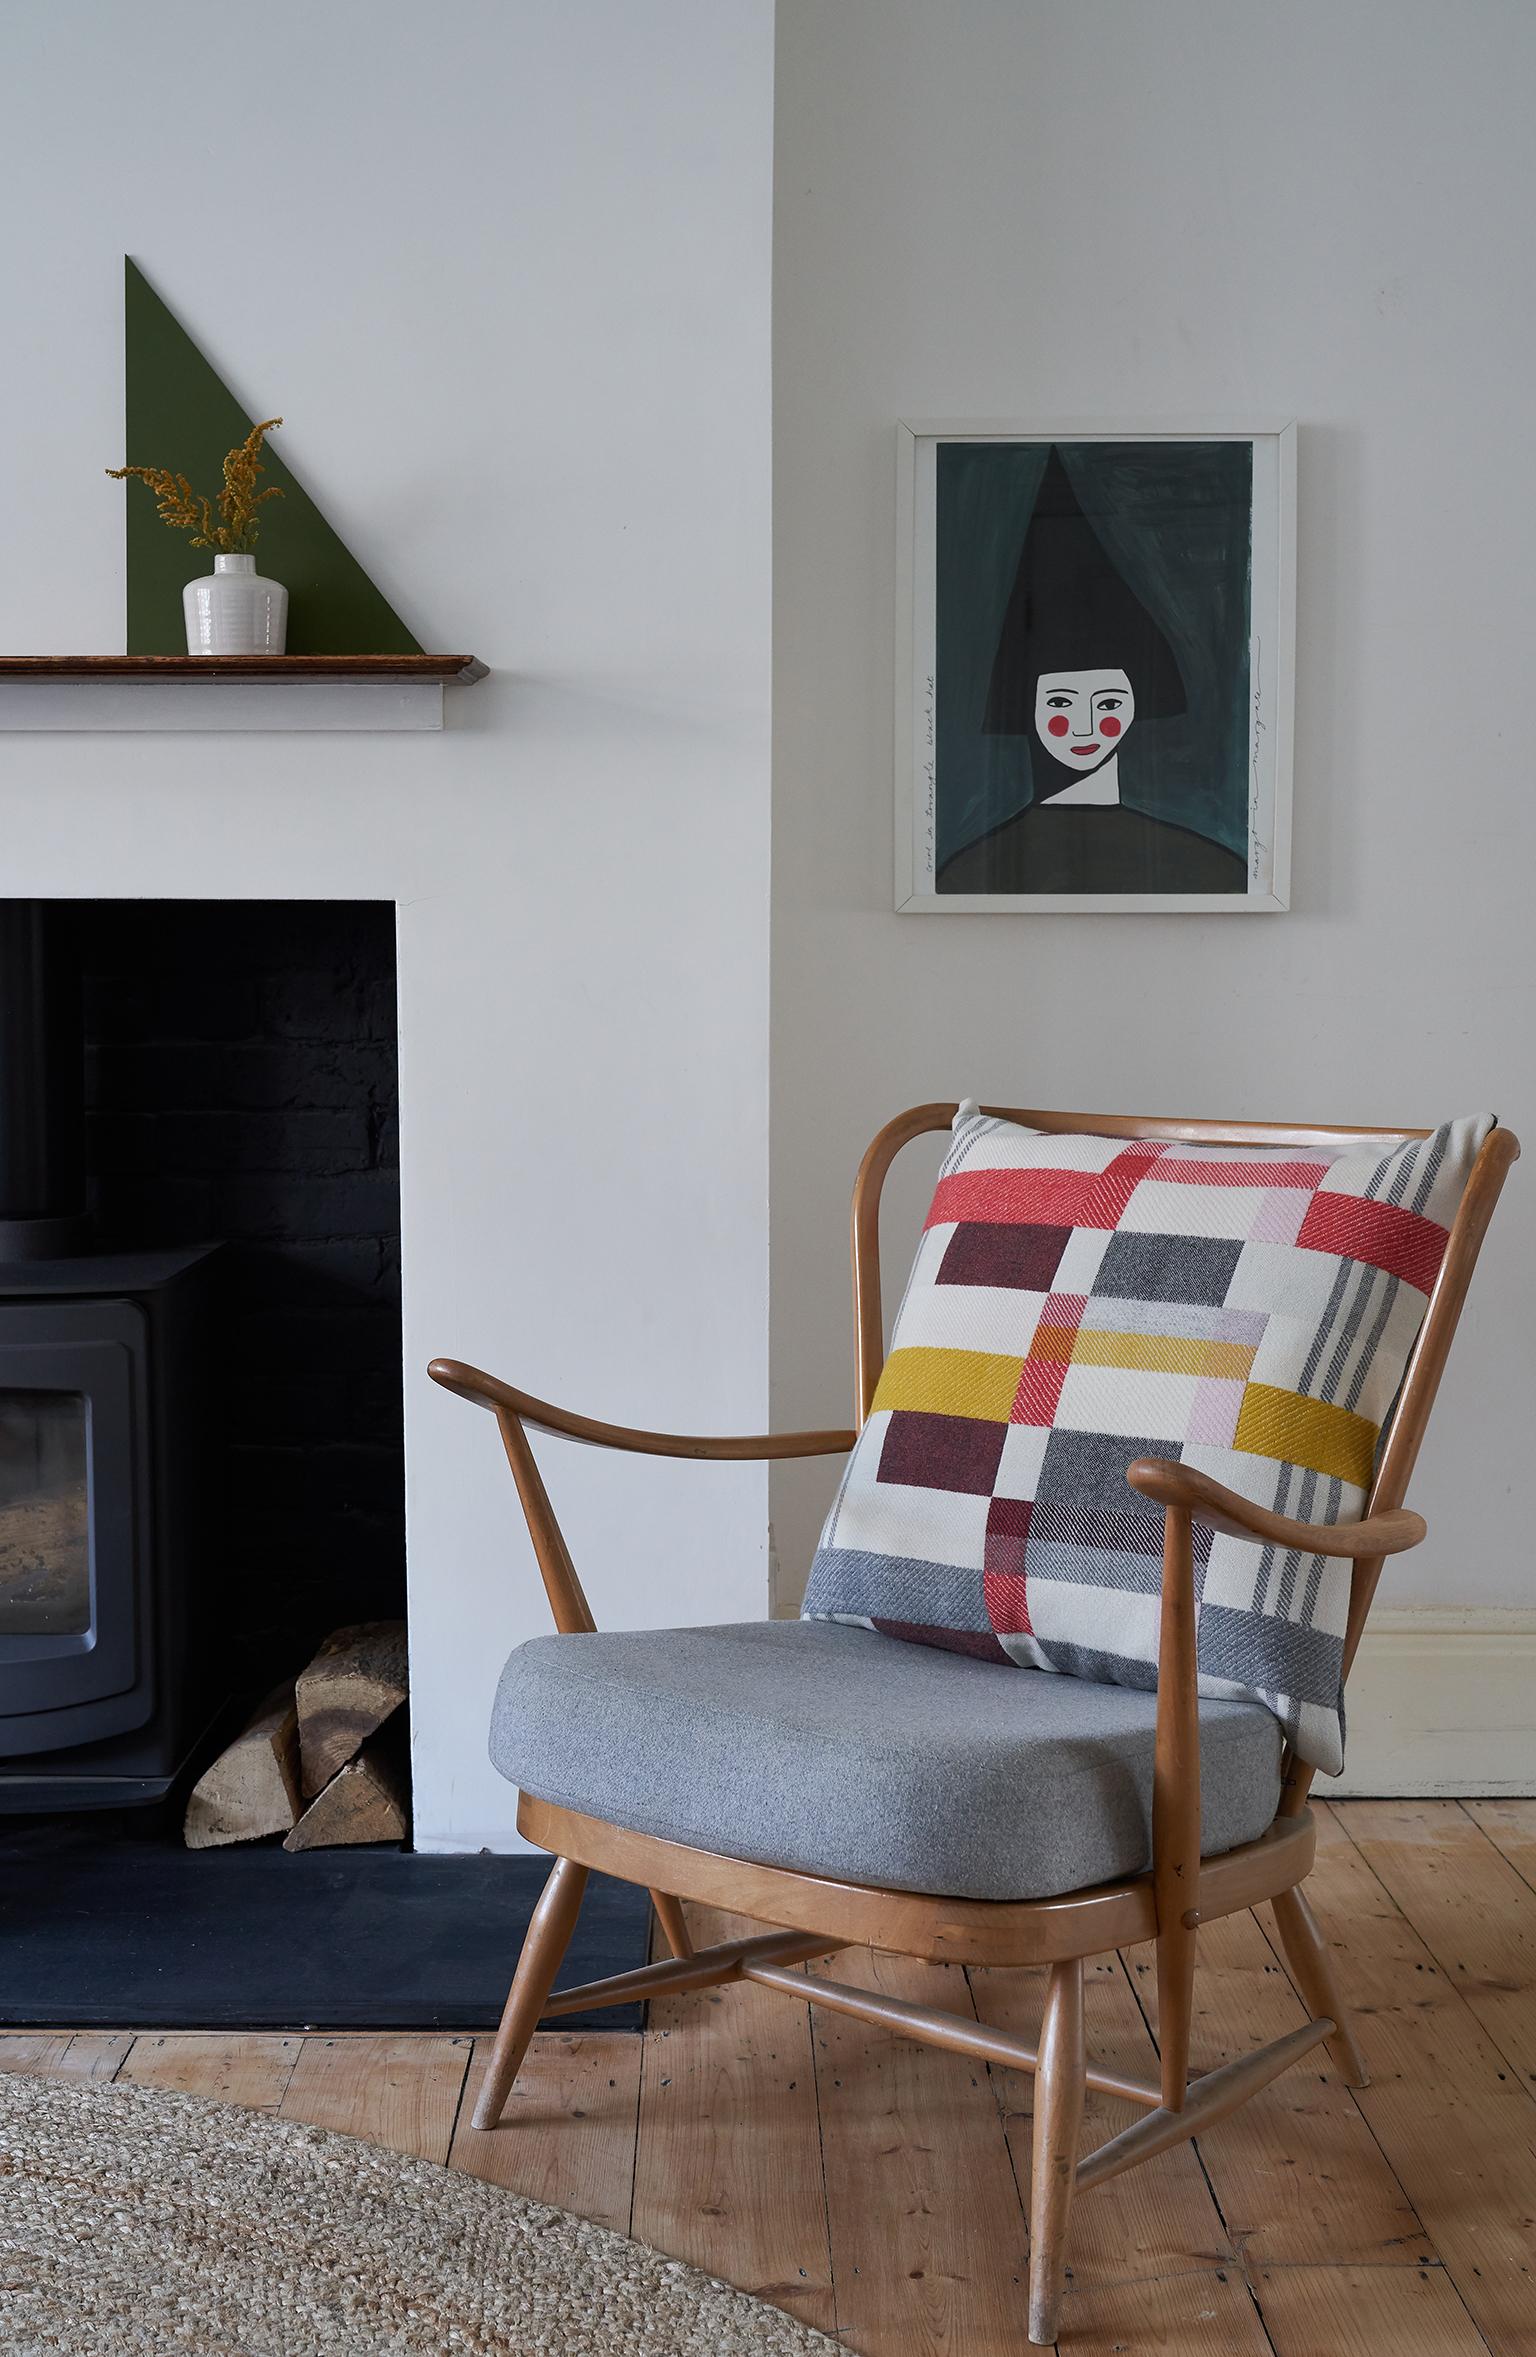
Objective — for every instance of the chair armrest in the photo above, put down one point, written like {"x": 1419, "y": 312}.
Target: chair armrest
{"x": 1170, "y": 1484}
{"x": 513, "y": 1409}
{"x": 488, "y": 1391}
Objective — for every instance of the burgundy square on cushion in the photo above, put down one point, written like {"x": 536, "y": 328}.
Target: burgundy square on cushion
{"x": 941, "y": 1452}
{"x": 983, "y": 1252}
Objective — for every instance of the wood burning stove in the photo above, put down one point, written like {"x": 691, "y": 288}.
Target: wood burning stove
{"x": 104, "y": 1628}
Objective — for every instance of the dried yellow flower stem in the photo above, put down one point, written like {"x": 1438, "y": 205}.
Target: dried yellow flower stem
{"x": 185, "y": 510}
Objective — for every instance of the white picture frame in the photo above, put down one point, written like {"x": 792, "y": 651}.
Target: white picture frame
{"x": 919, "y": 785}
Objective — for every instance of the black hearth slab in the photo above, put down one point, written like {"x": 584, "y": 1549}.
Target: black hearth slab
{"x": 136, "y": 1933}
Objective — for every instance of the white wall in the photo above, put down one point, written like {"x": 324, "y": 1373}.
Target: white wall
{"x": 503, "y": 265}
{"x": 1321, "y": 209}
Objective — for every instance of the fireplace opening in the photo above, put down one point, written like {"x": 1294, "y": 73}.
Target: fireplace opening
{"x": 201, "y": 1460}
{"x": 202, "y": 1478}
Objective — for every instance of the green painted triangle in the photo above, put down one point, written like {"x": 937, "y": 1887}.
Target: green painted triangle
{"x": 180, "y": 414}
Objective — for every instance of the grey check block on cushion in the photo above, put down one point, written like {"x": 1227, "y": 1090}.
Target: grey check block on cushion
{"x": 836, "y": 1751}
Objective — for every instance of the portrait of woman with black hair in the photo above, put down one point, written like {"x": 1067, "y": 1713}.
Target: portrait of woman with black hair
{"x": 1092, "y": 669}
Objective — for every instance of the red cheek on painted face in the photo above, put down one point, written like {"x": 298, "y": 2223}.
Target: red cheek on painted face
{"x": 1109, "y": 726}
{"x": 1058, "y": 724}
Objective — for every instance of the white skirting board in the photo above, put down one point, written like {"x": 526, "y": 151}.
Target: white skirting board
{"x": 1440, "y": 1703}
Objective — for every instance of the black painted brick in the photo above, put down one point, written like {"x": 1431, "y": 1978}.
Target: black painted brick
{"x": 310, "y": 1143}
{"x": 351, "y": 1476}
{"x": 128, "y": 1005}
{"x": 241, "y": 1080}
{"x": 348, "y": 1006}
{"x": 291, "y": 1207}
{"x": 309, "y": 1343}
{"x": 194, "y": 1075}
{"x": 366, "y": 1406}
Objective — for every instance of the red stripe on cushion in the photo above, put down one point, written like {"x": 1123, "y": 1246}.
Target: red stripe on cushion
{"x": 1403, "y": 1243}
{"x": 1241, "y": 1174}
{"x": 1050, "y": 1354}
{"x": 1109, "y": 1191}
{"x": 1004, "y": 1589}
{"x": 1007, "y": 1601}
{"x": 1044, "y": 1198}
{"x": 972, "y": 1641}
{"x": 1039, "y": 1392}
{"x": 1038, "y": 1198}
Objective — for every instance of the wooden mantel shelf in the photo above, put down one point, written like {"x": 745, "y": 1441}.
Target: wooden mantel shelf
{"x": 91, "y": 694}
{"x": 83, "y": 667}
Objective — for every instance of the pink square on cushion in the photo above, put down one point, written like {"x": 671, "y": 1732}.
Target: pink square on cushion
{"x": 1213, "y": 1418}
{"x": 1280, "y": 1216}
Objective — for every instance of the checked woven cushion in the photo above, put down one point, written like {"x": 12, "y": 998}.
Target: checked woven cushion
{"x": 1078, "y": 1302}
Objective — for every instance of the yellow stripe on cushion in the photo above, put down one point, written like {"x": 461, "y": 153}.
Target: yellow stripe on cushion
{"x": 1309, "y": 1432}
{"x": 950, "y": 1383}
{"x": 1162, "y": 1354}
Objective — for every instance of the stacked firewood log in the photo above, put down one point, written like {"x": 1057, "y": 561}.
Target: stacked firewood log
{"x": 323, "y": 1761}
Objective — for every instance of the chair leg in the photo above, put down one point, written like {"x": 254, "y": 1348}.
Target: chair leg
{"x": 669, "y": 1914}
{"x": 1307, "y": 1956}
{"x": 1059, "y": 2087}
{"x": 554, "y": 1919}
{"x": 1175, "y": 2009}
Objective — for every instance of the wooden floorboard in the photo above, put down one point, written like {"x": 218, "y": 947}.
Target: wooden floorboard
{"x": 400, "y": 2089}
{"x": 927, "y": 2228}
{"x": 1314, "y": 2212}
{"x": 1511, "y": 1827}
{"x": 1366, "y": 2312}
{"x": 1469, "y": 1905}
{"x": 1298, "y": 2175}
{"x": 67, "y": 2054}
{"x": 36, "y": 2050}
{"x": 568, "y": 2133}
{"x": 728, "y": 2162}
{"x": 1456, "y": 2126}
{"x": 879, "y": 2190}
{"x": 225, "y": 2066}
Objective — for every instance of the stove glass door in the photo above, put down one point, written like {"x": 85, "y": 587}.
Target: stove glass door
{"x": 45, "y": 1550}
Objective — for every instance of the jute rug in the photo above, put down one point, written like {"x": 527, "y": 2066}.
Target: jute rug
{"x": 135, "y": 2223}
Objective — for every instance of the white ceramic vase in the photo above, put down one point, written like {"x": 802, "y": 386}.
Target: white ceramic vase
{"x": 234, "y": 611}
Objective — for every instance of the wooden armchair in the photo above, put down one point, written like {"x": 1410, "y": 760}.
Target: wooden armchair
{"x": 815, "y": 1914}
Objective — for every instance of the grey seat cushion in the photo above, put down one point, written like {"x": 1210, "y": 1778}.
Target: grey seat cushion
{"x": 838, "y": 1751}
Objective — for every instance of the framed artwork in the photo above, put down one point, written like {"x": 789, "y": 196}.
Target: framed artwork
{"x": 1094, "y": 666}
